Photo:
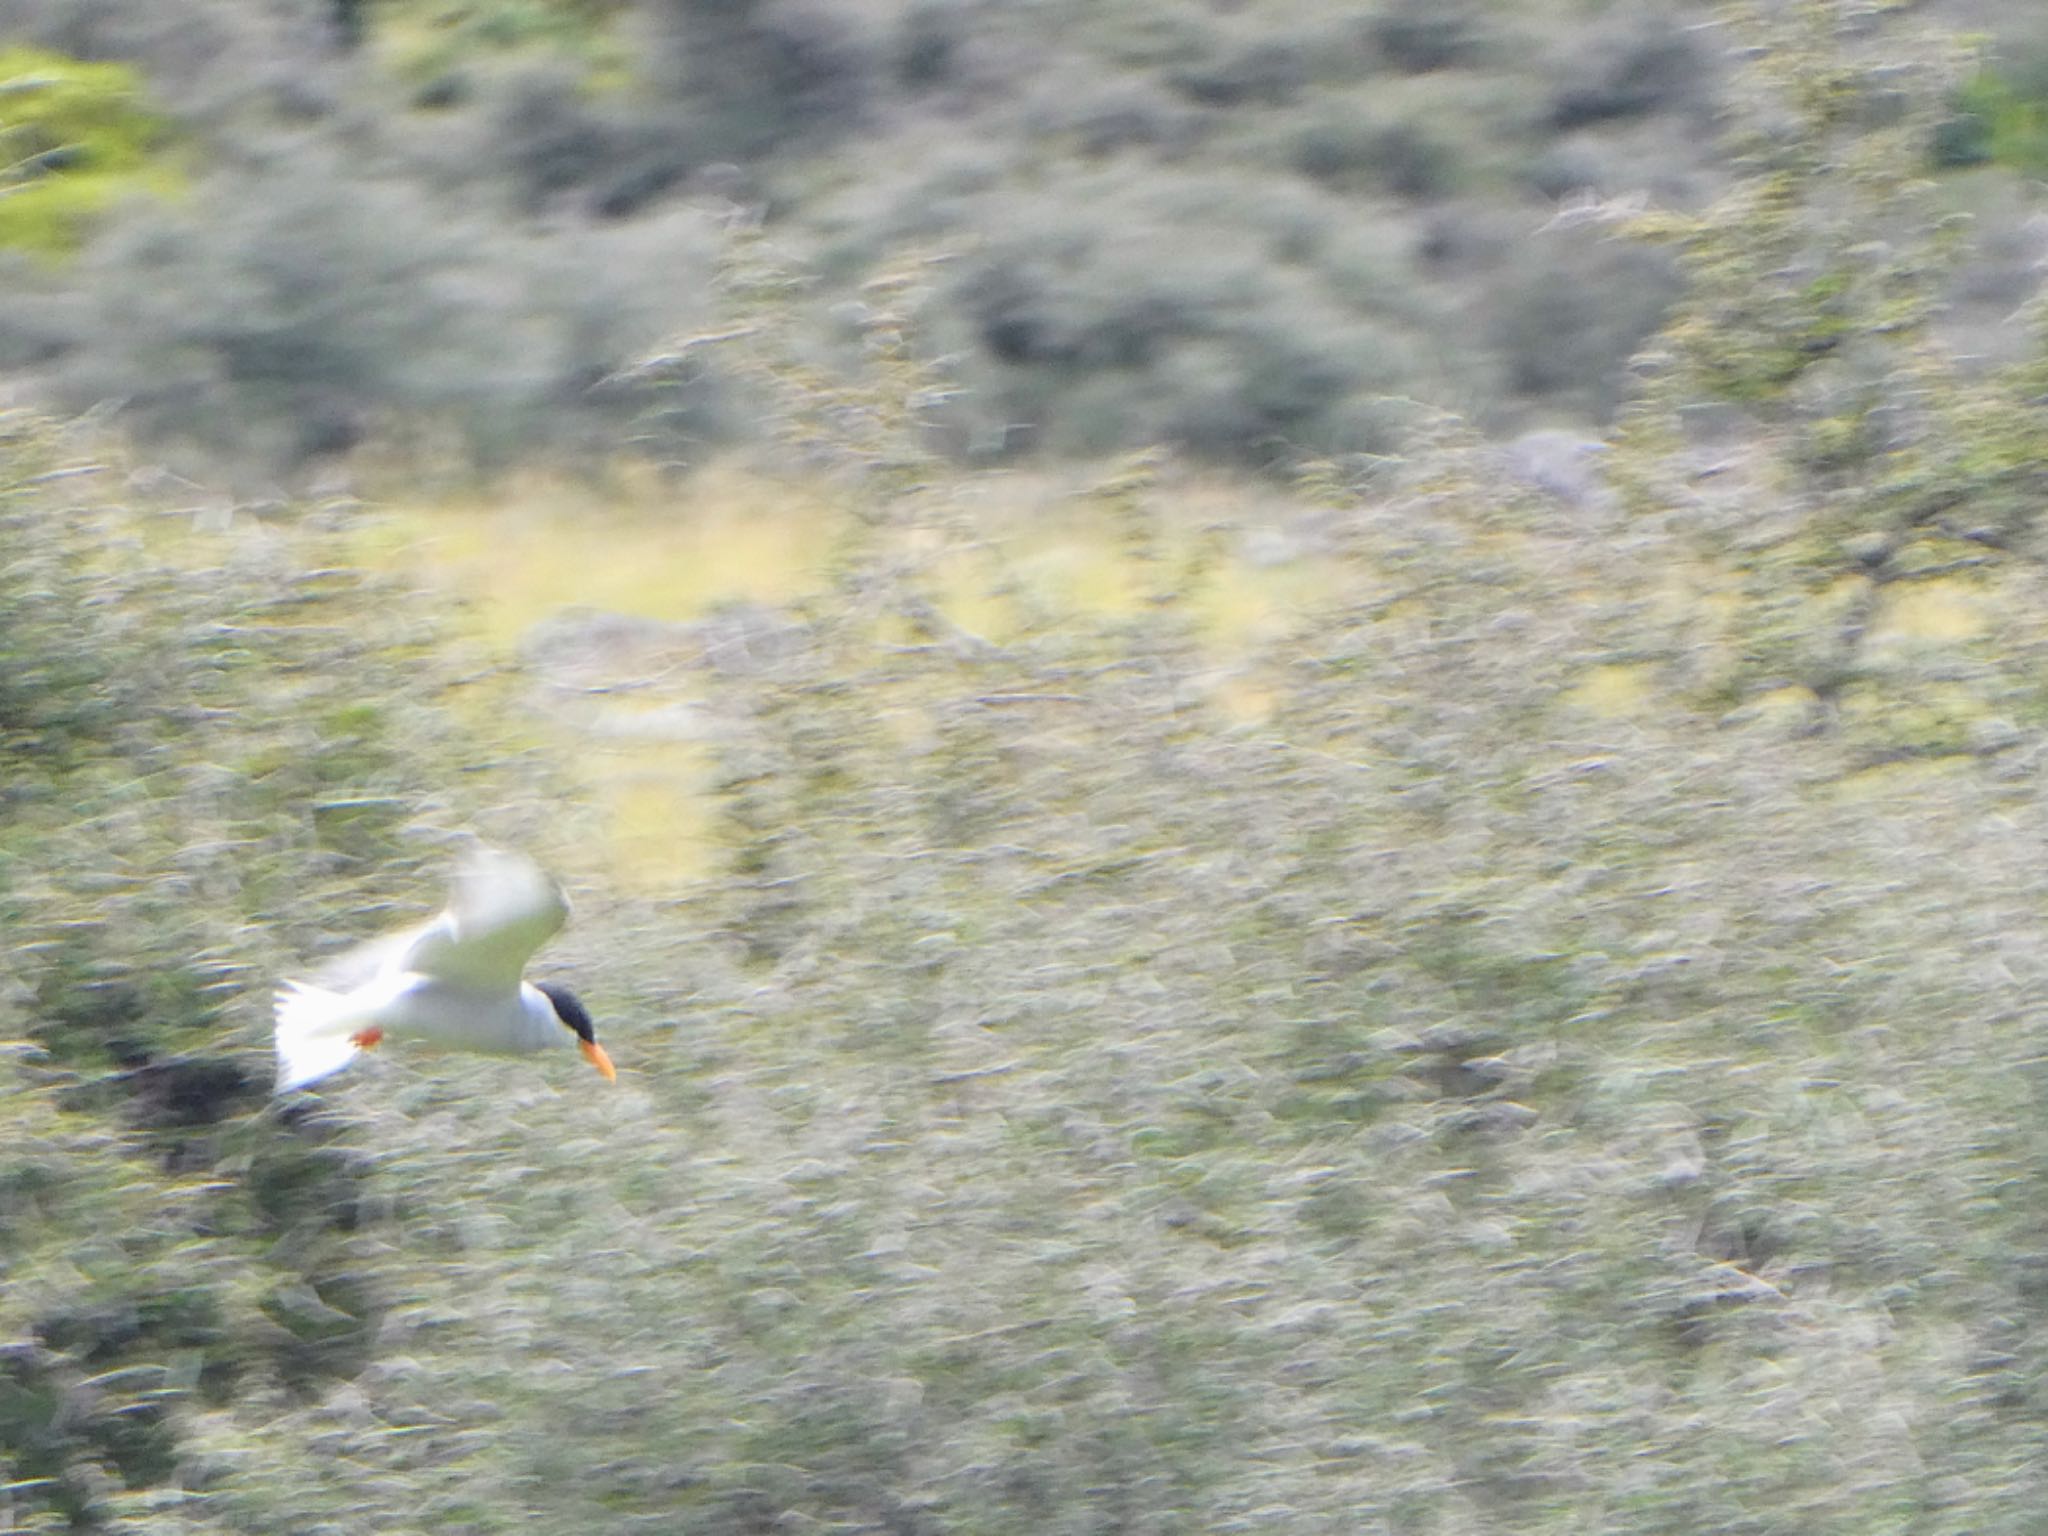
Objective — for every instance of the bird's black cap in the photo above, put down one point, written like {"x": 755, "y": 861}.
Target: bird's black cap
{"x": 568, "y": 1009}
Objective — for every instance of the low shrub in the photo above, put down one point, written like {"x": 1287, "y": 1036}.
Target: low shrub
{"x": 1568, "y": 310}
{"x": 1360, "y": 154}
{"x": 754, "y": 77}
{"x": 1417, "y": 36}
{"x": 293, "y": 310}
{"x": 1644, "y": 60}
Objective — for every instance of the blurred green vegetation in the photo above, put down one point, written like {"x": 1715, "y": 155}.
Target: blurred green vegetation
{"x": 74, "y": 137}
{"x": 430, "y": 37}
{"x": 1435, "y": 996}
{"x": 1240, "y": 232}
{"x": 1999, "y": 112}
{"x": 179, "y": 728}
{"x": 1249, "y": 233}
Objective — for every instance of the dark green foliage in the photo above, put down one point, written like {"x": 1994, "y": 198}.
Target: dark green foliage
{"x": 1570, "y": 311}
{"x": 1359, "y": 155}
{"x": 754, "y": 75}
{"x": 1996, "y": 118}
{"x": 1103, "y": 334}
{"x": 927, "y": 51}
{"x": 1262, "y": 75}
{"x": 556, "y": 138}
{"x": 53, "y": 699}
{"x": 1416, "y": 36}
{"x": 477, "y": 158}
{"x": 299, "y": 311}
{"x": 474, "y": 161}
{"x": 1653, "y": 60}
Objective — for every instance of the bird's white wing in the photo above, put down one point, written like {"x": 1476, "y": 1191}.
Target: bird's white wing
{"x": 502, "y": 909}
{"x": 353, "y": 967}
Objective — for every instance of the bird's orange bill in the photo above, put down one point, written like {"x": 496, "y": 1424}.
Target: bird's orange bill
{"x": 364, "y": 1039}
{"x": 594, "y": 1054}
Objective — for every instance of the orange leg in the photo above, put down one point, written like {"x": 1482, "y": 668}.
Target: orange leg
{"x": 365, "y": 1038}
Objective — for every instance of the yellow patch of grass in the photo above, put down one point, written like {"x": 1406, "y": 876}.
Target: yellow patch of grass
{"x": 964, "y": 586}
{"x": 1613, "y": 690}
{"x": 1046, "y": 554}
{"x": 1696, "y": 591}
{"x": 910, "y": 727}
{"x": 636, "y": 545}
{"x": 1239, "y": 604}
{"x": 1244, "y": 700}
{"x": 661, "y": 815}
{"x": 1035, "y": 557}
{"x": 541, "y": 542}
{"x": 1905, "y": 777}
{"x": 1920, "y": 716}
{"x": 1030, "y": 564}
{"x": 1784, "y": 705}
{"x": 1064, "y": 568}
{"x": 1942, "y": 611}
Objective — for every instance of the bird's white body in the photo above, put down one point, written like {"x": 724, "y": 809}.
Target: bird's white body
{"x": 454, "y": 983}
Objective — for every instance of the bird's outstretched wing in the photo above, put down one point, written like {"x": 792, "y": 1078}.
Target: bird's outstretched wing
{"x": 502, "y": 909}
{"x": 365, "y": 962}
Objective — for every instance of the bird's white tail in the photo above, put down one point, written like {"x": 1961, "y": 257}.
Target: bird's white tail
{"x": 313, "y": 1035}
